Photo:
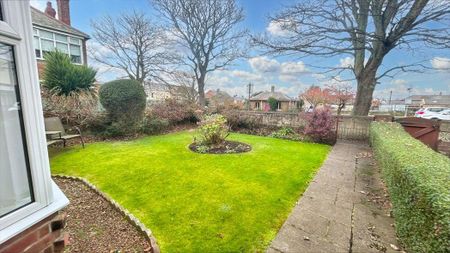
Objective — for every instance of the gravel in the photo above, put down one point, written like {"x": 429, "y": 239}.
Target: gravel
{"x": 94, "y": 225}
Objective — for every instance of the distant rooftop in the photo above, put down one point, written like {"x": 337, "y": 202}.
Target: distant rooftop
{"x": 265, "y": 95}
{"x": 429, "y": 99}
{"x": 43, "y": 20}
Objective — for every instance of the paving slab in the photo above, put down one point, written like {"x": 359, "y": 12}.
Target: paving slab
{"x": 344, "y": 209}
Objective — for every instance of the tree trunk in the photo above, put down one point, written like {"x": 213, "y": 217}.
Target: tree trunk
{"x": 201, "y": 90}
{"x": 364, "y": 94}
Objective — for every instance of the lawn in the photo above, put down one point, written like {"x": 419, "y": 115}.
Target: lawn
{"x": 200, "y": 202}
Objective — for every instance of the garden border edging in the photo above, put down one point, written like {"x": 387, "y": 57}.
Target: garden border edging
{"x": 130, "y": 217}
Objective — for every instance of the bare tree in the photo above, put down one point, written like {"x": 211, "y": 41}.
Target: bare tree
{"x": 206, "y": 30}
{"x": 183, "y": 85}
{"x": 133, "y": 43}
{"x": 367, "y": 30}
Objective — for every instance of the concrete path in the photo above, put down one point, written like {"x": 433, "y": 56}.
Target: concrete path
{"x": 344, "y": 209}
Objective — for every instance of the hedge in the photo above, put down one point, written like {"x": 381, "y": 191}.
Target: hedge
{"x": 418, "y": 180}
{"x": 125, "y": 102}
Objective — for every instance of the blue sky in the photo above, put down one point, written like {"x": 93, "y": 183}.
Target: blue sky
{"x": 289, "y": 74}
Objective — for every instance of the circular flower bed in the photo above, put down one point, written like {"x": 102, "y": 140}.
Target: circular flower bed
{"x": 226, "y": 147}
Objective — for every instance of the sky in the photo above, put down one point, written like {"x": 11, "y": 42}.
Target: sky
{"x": 292, "y": 74}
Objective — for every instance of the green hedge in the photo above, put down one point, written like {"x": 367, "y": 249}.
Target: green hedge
{"x": 418, "y": 180}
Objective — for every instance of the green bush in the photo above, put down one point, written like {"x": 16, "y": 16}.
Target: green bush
{"x": 154, "y": 126}
{"x": 285, "y": 133}
{"x": 213, "y": 129}
{"x": 124, "y": 101}
{"x": 64, "y": 77}
{"x": 418, "y": 180}
{"x": 273, "y": 103}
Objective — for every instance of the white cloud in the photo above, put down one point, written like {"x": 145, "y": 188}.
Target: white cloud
{"x": 293, "y": 68}
{"x": 347, "y": 62}
{"x": 399, "y": 82}
{"x": 40, "y": 4}
{"x": 280, "y": 28}
{"x": 441, "y": 63}
{"x": 264, "y": 64}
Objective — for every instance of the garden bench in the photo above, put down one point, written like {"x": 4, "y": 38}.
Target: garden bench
{"x": 56, "y": 132}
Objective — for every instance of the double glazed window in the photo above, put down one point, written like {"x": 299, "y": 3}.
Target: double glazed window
{"x": 45, "y": 41}
{"x": 27, "y": 193}
{"x": 15, "y": 181}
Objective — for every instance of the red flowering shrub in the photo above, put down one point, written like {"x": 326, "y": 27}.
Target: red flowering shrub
{"x": 319, "y": 126}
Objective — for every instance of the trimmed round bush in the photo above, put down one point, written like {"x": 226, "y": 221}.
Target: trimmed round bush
{"x": 124, "y": 101}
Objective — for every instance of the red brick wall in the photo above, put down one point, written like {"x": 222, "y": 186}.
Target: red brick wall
{"x": 63, "y": 11}
{"x": 41, "y": 66}
{"x": 45, "y": 236}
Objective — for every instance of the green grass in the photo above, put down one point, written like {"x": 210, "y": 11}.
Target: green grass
{"x": 200, "y": 202}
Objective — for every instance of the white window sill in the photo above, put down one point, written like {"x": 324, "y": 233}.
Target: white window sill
{"x": 60, "y": 201}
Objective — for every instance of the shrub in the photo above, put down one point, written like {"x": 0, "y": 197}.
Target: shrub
{"x": 213, "y": 129}
{"x": 124, "y": 101}
{"x": 319, "y": 126}
{"x": 273, "y": 103}
{"x": 285, "y": 133}
{"x": 237, "y": 121}
{"x": 64, "y": 77}
{"x": 154, "y": 126}
{"x": 76, "y": 109}
{"x": 175, "y": 112}
{"x": 418, "y": 182}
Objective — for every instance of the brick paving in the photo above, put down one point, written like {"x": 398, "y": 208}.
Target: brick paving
{"x": 344, "y": 209}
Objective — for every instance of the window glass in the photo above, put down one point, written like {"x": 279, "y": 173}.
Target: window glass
{"x": 62, "y": 47}
{"x": 47, "y": 46}
{"x": 15, "y": 183}
{"x": 45, "y": 34}
{"x": 37, "y": 47}
{"x": 75, "y": 41}
{"x": 75, "y": 53}
{"x": 60, "y": 37}
{"x": 35, "y": 31}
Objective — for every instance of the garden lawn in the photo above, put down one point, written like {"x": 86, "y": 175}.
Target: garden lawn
{"x": 200, "y": 202}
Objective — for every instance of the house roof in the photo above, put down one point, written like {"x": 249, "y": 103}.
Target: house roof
{"x": 430, "y": 99}
{"x": 41, "y": 19}
{"x": 265, "y": 95}
{"x": 217, "y": 93}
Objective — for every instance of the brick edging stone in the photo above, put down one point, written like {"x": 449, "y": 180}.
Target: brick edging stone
{"x": 130, "y": 217}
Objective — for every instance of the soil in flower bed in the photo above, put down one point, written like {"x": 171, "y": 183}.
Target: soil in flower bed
{"x": 94, "y": 225}
{"x": 227, "y": 147}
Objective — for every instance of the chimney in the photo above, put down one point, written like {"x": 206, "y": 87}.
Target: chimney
{"x": 272, "y": 89}
{"x": 49, "y": 10}
{"x": 63, "y": 11}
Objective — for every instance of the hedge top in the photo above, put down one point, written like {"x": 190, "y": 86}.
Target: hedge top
{"x": 122, "y": 95}
{"x": 418, "y": 179}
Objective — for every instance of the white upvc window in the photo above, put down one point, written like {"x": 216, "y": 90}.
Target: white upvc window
{"x": 45, "y": 41}
{"x": 27, "y": 193}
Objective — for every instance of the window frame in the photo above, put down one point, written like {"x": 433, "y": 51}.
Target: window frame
{"x": 54, "y": 40}
{"x": 16, "y": 30}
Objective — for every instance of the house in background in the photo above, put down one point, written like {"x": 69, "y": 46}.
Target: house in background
{"x": 417, "y": 101}
{"x": 395, "y": 105}
{"x": 157, "y": 92}
{"x": 259, "y": 101}
{"x": 218, "y": 98}
{"x": 51, "y": 32}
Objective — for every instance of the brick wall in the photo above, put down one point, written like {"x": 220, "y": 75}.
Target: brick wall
{"x": 41, "y": 66}
{"x": 46, "y": 236}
